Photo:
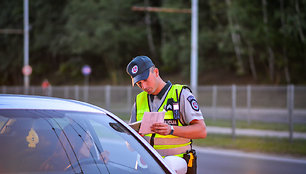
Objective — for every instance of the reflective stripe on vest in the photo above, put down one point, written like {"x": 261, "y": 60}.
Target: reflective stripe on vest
{"x": 164, "y": 144}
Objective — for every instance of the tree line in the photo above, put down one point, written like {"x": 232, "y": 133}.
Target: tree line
{"x": 263, "y": 40}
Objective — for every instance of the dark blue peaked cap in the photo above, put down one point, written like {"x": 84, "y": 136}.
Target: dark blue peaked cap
{"x": 138, "y": 68}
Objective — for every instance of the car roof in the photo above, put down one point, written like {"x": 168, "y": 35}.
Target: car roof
{"x": 13, "y": 101}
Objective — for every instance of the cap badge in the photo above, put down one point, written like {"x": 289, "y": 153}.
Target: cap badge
{"x": 135, "y": 69}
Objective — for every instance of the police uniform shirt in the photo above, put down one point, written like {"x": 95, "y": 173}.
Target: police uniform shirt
{"x": 189, "y": 109}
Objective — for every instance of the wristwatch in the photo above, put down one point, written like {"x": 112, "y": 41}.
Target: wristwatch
{"x": 171, "y": 132}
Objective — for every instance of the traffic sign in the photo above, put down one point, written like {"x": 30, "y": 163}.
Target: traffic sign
{"x": 27, "y": 70}
{"x": 86, "y": 70}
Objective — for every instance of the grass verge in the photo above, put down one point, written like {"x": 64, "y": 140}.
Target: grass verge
{"x": 298, "y": 127}
{"x": 280, "y": 146}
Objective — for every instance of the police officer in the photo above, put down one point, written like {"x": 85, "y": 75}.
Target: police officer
{"x": 183, "y": 118}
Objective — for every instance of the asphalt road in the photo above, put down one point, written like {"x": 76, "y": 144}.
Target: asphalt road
{"x": 217, "y": 161}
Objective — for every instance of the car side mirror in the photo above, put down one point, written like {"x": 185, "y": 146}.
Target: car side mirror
{"x": 178, "y": 164}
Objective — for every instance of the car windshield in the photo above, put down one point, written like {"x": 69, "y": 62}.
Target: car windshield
{"x": 49, "y": 141}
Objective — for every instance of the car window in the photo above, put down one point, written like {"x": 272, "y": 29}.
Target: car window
{"x": 69, "y": 142}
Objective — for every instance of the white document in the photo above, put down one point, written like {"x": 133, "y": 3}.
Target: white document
{"x": 149, "y": 118}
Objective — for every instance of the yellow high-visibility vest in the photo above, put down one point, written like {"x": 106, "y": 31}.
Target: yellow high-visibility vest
{"x": 165, "y": 145}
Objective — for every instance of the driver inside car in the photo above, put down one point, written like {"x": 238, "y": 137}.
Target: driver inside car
{"x": 74, "y": 146}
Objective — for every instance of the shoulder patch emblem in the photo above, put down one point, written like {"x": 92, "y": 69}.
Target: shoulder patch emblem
{"x": 193, "y": 102}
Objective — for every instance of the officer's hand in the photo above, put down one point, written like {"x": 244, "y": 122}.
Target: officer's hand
{"x": 161, "y": 128}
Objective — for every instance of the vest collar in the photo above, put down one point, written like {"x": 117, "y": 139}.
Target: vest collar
{"x": 162, "y": 92}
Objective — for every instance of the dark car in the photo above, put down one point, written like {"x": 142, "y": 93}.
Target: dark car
{"x": 52, "y": 135}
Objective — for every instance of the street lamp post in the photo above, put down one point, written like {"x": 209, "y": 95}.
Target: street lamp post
{"x": 26, "y": 42}
{"x": 194, "y": 47}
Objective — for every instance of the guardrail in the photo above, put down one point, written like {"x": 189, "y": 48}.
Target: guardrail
{"x": 281, "y": 104}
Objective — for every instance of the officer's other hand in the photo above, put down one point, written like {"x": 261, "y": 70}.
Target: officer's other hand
{"x": 161, "y": 128}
